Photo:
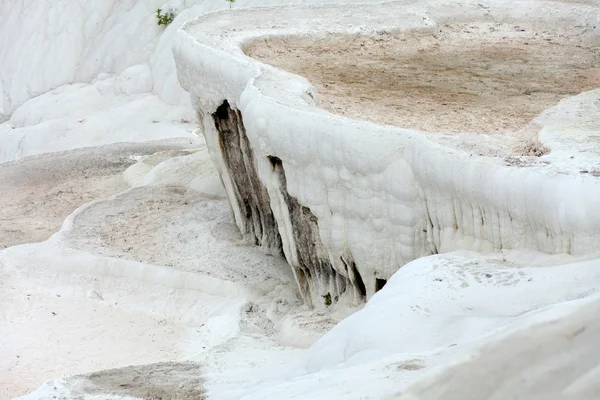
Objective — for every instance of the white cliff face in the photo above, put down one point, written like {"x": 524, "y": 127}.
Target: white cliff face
{"x": 376, "y": 197}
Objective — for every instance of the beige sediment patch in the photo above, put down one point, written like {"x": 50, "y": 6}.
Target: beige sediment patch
{"x": 37, "y": 193}
{"x": 457, "y": 78}
{"x": 161, "y": 381}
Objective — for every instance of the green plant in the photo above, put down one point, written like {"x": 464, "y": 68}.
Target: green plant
{"x": 164, "y": 19}
{"x": 230, "y": 2}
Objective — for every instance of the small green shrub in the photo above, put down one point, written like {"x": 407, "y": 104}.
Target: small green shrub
{"x": 164, "y": 19}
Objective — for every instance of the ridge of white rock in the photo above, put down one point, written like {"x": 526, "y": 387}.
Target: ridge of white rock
{"x": 372, "y": 198}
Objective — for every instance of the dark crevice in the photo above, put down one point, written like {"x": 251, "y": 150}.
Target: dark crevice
{"x": 345, "y": 265}
{"x": 223, "y": 111}
{"x": 355, "y": 277}
{"x": 430, "y": 230}
{"x": 258, "y": 225}
{"x": 275, "y": 161}
{"x": 379, "y": 284}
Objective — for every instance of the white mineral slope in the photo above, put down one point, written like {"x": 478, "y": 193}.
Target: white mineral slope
{"x": 58, "y": 324}
{"x": 554, "y": 356}
{"x": 458, "y": 298}
{"x": 436, "y": 314}
{"x": 388, "y": 195}
{"x": 111, "y": 109}
{"x": 433, "y": 311}
{"x": 67, "y": 310}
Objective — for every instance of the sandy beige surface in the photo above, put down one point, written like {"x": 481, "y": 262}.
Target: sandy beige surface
{"x": 37, "y": 193}
{"x": 478, "y": 78}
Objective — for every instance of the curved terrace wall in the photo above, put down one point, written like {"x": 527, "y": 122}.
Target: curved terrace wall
{"x": 348, "y": 202}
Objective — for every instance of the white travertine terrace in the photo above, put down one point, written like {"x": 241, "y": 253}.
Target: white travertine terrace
{"x": 353, "y": 201}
